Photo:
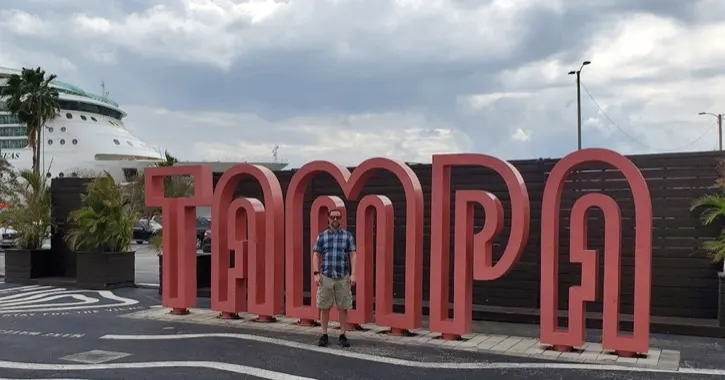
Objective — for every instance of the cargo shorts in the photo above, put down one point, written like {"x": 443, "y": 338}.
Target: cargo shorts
{"x": 334, "y": 291}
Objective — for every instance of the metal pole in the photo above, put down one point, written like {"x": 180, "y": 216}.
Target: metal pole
{"x": 719, "y": 131}
{"x": 578, "y": 110}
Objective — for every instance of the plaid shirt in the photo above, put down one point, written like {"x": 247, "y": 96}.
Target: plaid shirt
{"x": 334, "y": 248}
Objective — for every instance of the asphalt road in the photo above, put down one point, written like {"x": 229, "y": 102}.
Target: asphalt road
{"x": 55, "y": 333}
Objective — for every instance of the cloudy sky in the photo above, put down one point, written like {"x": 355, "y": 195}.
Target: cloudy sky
{"x": 351, "y": 79}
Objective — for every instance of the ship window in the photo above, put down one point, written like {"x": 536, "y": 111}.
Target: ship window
{"x": 68, "y": 115}
{"x": 115, "y": 141}
{"x": 50, "y": 142}
{"x": 9, "y": 119}
{"x": 13, "y": 131}
{"x": 14, "y": 144}
{"x": 62, "y": 142}
{"x": 62, "y": 129}
{"x": 61, "y": 175}
{"x": 75, "y": 141}
{"x": 93, "y": 118}
{"x": 74, "y": 105}
{"x": 51, "y": 129}
{"x": 83, "y": 117}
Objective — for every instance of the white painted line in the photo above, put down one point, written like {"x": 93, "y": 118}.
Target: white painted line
{"x": 23, "y": 288}
{"x": 415, "y": 364}
{"x": 23, "y": 305}
{"x": 33, "y": 300}
{"x": 226, "y": 367}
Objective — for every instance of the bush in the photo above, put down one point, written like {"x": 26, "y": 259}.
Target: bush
{"x": 105, "y": 221}
{"x": 29, "y": 211}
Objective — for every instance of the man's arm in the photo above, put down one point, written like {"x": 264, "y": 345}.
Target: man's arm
{"x": 352, "y": 251}
{"x": 316, "y": 255}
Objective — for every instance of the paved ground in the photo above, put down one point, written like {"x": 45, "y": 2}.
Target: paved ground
{"x": 55, "y": 333}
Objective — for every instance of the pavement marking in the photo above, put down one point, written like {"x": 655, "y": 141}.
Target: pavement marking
{"x": 416, "y": 364}
{"x": 226, "y": 367}
{"x": 34, "y": 298}
{"x": 95, "y": 356}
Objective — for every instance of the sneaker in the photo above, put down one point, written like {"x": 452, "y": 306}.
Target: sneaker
{"x": 324, "y": 340}
{"x": 343, "y": 341}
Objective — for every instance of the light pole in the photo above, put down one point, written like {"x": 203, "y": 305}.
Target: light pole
{"x": 579, "y": 102}
{"x": 719, "y": 127}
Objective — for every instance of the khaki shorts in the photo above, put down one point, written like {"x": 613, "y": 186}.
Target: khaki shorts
{"x": 334, "y": 291}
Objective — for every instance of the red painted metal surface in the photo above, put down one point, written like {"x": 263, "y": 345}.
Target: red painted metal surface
{"x": 473, "y": 253}
{"x": 253, "y": 231}
{"x": 573, "y": 336}
{"x": 352, "y": 184}
{"x": 179, "y": 237}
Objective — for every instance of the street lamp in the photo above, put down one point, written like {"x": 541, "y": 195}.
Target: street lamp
{"x": 719, "y": 126}
{"x": 579, "y": 102}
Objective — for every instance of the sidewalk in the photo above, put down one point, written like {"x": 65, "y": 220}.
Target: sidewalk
{"x": 483, "y": 342}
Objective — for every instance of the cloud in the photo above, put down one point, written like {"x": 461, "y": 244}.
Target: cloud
{"x": 348, "y": 80}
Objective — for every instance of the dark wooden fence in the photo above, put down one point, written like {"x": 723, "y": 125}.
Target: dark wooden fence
{"x": 684, "y": 279}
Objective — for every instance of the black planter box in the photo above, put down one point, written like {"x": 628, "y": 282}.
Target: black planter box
{"x": 106, "y": 270}
{"x": 24, "y": 264}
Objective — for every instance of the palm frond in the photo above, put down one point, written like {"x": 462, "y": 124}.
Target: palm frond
{"x": 105, "y": 221}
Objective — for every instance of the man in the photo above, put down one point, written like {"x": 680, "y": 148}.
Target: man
{"x": 333, "y": 265}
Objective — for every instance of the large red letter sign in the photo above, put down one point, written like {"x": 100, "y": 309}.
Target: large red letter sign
{"x": 638, "y": 341}
{"x": 179, "y": 237}
{"x": 257, "y": 239}
{"x": 352, "y": 185}
{"x": 473, "y": 253}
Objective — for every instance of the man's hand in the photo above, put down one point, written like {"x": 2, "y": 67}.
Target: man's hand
{"x": 352, "y": 280}
{"x": 317, "y": 280}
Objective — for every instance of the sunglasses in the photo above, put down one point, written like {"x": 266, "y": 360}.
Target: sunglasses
{"x": 335, "y": 217}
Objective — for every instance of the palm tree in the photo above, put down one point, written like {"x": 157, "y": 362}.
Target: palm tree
{"x": 34, "y": 102}
{"x": 174, "y": 187}
{"x": 712, "y": 211}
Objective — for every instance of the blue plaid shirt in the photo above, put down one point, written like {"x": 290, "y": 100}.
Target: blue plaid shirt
{"x": 334, "y": 248}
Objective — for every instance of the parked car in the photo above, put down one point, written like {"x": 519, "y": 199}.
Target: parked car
{"x": 206, "y": 242}
{"x": 7, "y": 237}
{"x": 145, "y": 229}
{"x": 203, "y": 224}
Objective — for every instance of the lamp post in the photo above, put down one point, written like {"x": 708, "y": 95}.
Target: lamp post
{"x": 719, "y": 126}
{"x": 579, "y": 102}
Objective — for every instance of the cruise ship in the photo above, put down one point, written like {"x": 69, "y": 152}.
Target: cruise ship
{"x": 87, "y": 138}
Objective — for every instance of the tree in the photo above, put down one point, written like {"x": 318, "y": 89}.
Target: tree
{"x": 711, "y": 208}
{"x": 31, "y": 99}
{"x": 174, "y": 187}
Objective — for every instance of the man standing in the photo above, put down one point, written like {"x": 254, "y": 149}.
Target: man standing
{"x": 333, "y": 265}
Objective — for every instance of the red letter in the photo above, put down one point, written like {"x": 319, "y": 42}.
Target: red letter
{"x": 473, "y": 253}
{"x": 264, "y": 245}
{"x": 638, "y": 342}
{"x": 179, "y": 237}
{"x": 318, "y": 222}
{"x": 382, "y": 209}
{"x": 351, "y": 185}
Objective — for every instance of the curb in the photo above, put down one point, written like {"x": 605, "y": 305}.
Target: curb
{"x": 145, "y": 285}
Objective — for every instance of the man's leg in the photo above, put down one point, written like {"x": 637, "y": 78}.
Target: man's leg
{"x": 325, "y": 300}
{"x": 343, "y": 301}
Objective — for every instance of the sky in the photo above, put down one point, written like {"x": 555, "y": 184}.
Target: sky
{"x": 346, "y": 80}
